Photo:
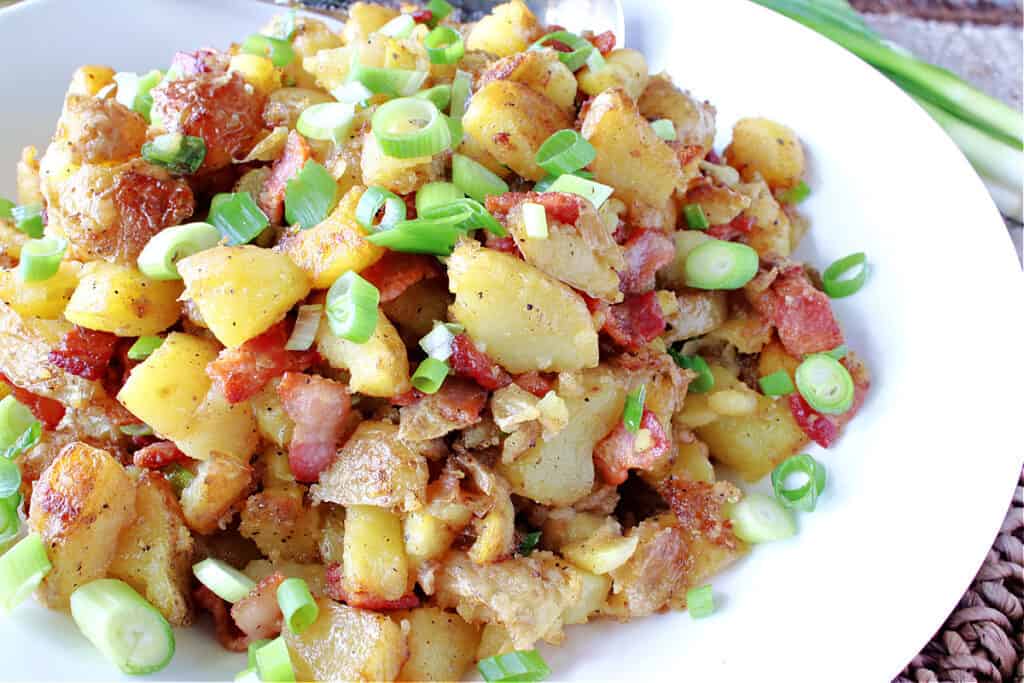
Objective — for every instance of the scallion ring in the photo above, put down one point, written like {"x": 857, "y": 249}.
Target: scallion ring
{"x": 433, "y": 195}
{"x": 695, "y": 217}
{"x": 399, "y": 27}
{"x": 310, "y": 196}
{"x": 705, "y": 380}
{"x": 518, "y": 665}
{"x": 439, "y": 9}
{"x": 437, "y": 343}
{"x": 15, "y": 420}
{"x": 461, "y": 85}
{"x": 825, "y": 384}
{"x": 440, "y": 95}
{"x": 159, "y": 257}
{"x": 565, "y": 152}
{"x": 478, "y": 217}
{"x": 386, "y": 81}
{"x": 430, "y": 375}
{"x": 351, "y": 307}
{"x": 444, "y": 45}
{"x": 476, "y": 180}
{"x": 664, "y": 129}
{"x": 435, "y": 236}
{"x": 596, "y": 193}
{"x": 717, "y": 264}
{"x": 545, "y": 183}
{"x": 795, "y": 194}
{"x": 777, "y": 384}
{"x": 28, "y": 218}
{"x": 306, "y": 325}
{"x": 274, "y": 663}
{"x": 633, "y": 411}
{"x": 837, "y": 280}
{"x": 21, "y": 569}
{"x": 180, "y": 154}
{"x": 758, "y": 518}
{"x": 223, "y": 579}
{"x": 700, "y": 602}
{"x": 5, "y": 209}
{"x": 278, "y": 50}
{"x": 40, "y": 258}
{"x": 237, "y": 217}
{"x": 370, "y": 204}
{"x": 327, "y": 121}
{"x": 297, "y": 604}
{"x": 10, "y": 478}
{"x": 409, "y": 128}
{"x": 805, "y": 495}
{"x": 144, "y": 347}
{"x": 580, "y": 48}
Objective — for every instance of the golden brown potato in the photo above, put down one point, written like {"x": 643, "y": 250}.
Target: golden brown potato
{"x": 374, "y": 468}
{"x": 282, "y": 525}
{"x": 508, "y": 29}
{"x": 285, "y": 105}
{"x": 442, "y": 645}
{"x": 347, "y": 644}
{"x": 719, "y": 203}
{"x": 374, "y": 560}
{"x": 564, "y": 526}
{"x": 520, "y": 317}
{"x": 90, "y": 79}
{"x": 623, "y": 68}
{"x": 43, "y": 299}
{"x": 242, "y": 291}
{"x": 630, "y": 157}
{"x": 100, "y": 131}
{"x": 115, "y": 298}
{"x": 477, "y": 152}
{"x": 79, "y": 507}
{"x": 154, "y": 552}
{"x": 655, "y": 573}
{"x": 272, "y": 421}
{"x": 603, "y": 551}
{"x": 511, "y": 121}
{"x": 378, "y": 367}
{"x": 540, "y": 70}
{"x": 311, "y": 36}
{"x": 217, "y": 426}
{"x": 595, "y": 592}
{"x": 315, "y": 575}
{"x": 694, "y": 121}
{"x": 771, "y": 235}
{"x": 400, "y": 176}
{"x": 209, "y": 500}
{"x": 697, "y": 312}
{"x": 766, "y": 147}
{"x": 364, "y": 18}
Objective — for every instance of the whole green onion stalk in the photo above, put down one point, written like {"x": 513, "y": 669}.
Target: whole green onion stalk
{"x": 988, "y": 132}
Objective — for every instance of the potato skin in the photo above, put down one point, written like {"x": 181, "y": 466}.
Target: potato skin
{"x": 511, "y": 121}
{"x": 766, "y": 147}
{"x": 520, "y": 317}
{"x": 115, "y": 298}
{"x": 79, "y": 507}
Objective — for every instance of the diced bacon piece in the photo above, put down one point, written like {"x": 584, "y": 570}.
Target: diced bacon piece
{"x": 469, "y": 361}
{"x": 396, "y": 271}
{"x": 801, "y": 314}
{"x": 241, "y": 373}
{"x": 319, "y": 407}
{"x": 228, "y": 635}
{"x": 295, "y": 155}
{"x": 635, "y": 321}
{"x": 258, "y": 614}
{"x": 534, "y": 382}
{"x": 158, "y": 455}
{"x": 84, "y": 353}
{"x": 559, "y": 206}
{"x": 824, "y": 429}
{"x": 407, "y": 398}
{"x": 202, "y": 61}
{"x": 698, "y": 505}
{"x": 506, "y": 244}
{"x": 460, "y": 401}
{"x": 423, "y": 16}
{"x": 604, "y": 42}
{"x": 737, "y": 227}
{"x": 46, "y": 410}
{"x": 646, "y": 252}
{"x": 335, "y": 587}
{"x": 622, "y": 232}
{"x": 617, "y": 453}
{"x": 146, "y": 205}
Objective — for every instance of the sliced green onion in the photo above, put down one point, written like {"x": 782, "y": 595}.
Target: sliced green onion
{"x": 777, "y": 384}
{"x": 837, "y": 281}
{"x": 476, "y": 180}
{"x": 180, "y": 154}
{"x": 29, "y": 219}
{"x": 327, "y": 121}
{"x": 10, "y": 478}
{"x": 274, "y": 663}
{"x": 545, "y": 183}
{"x": 430, "y": 374}
{"x": 279, "y": 51}
{"x": 284, "y": 25}
{"x": 439, "y": 9}
{"x": 5, "y": 209}
{"x": 535, "y": 220}
{"x": 310, "y": 196}
{"x": 386, "y": 81}
{"x": 470, "y": 214}
{"x": 352, "y": 307}
{"x": 597, "y": 193}
{"x": 421, "y": 236}
{"x": 21, "y": 569}
{"x": 352, "y": 92}
{"x": 249, "y": 675}
{"x": 695, "y": 218}
{"x": 759, "y": 518}
{"x": 705, "y": 381}
{"x": 461, "y": 85}
{"x": 456, "y": 129}
{"x": 128, "y": 630}
{"x": 179, "y": 477}
{"x": 399, "y": 27}
{"x": 433, "y": 195}
{"x": 519, "y": 665}
{"x": 297, "y": 604}
{"x": 717, "y": 264}
{"x": 161, "y": 254}
{"x": 529, "y": 543}
{"x": 805, "y": 496}
{"x": 440, "y": 95}
{"x": 838, "y": 353}
{"x": 251, "y": 651}
{"x": 444, "y": 45}
{"x": 633, "y": 411}
{"x": 28, "y": 439}
{"x": 795, "y": 194}
{"x": 581, "y": 49}
{"x": 370, "y": 204}
{"x": 437, "y": 343}
{"x": 144, "y": 346}
{"x": 408, "y": 128}
{"x": 306, "y": 325}
{"x": 10, "y": 520}
{"x": 564, "y": 152}
{"x": 700, "y": 602}
{"x": 825, "y": 384}
{"x": 138, "y": 429}
{"x": 664, "y": 129}
{"x": 40, "y": 258}
{"x": 223, "y": 579}
{"x": 237, "y": 217}
{"x": 15, "y": 420}
{"x": 133, "y": 90}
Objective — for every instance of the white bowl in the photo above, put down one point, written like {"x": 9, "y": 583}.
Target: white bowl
{"x": 920, "y": 480}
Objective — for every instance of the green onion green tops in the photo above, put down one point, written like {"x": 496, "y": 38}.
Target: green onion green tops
{"x": 254, "y": 646}
{"x": 795, "y": 194}
{"x": 310, "y": 196}
{"x": 370, "y": 204}
{"x": 758, "y": 518}
{"x": 274, "y": 663}
{"x": 352, "y": 307}
{"x": 440, "y": 95}
{"x": 21, "y": 569}
{"x": 237, "y": 217}
{"x": 777, "y": 384}
{"x": 133, "y": 90}
{"x": 846, "y": 276}
{"x": 825, "y": 384}
{"x": 520, "y": 665}
{"x": 144, "y": 346}
{"x": 535, "y": 220}
{"x": 633, "y": 411}
{"x": 695, "y": 218}
{"x": 700, "y": 602}
{"x": 129, "y": 631}
{"x": 28, "y": 218}
{"x": 5, "y": 209}
{"x": 227, "y": 582}
{"x": 430, "y": 375}
{"x": 467, "y": 214}
{"x": 15, "y": 420}
{"x": 475, "y": 180}
{"x": 439, "y": 9}
{"x": 40, "y": 258}
{"x": 409, "y": 127}
{"x": 399, "y": 27}
{"x": 386, "y": 81}
{"x": 433, "y": 195}
{"x": 10, "y": 478}
{"x": 297, "y": 604}
{"x": 179, "y": 477}
{"x": 581, "y": 50}
{"x": 180, "y": 154}
{"x": 545, "y": 183}
{"x": 717, "y": 264}
{"x": 444, "y": 45}
{"x": 596, "y": 193}
{"x": 664, "y": 129}
{"x": 529, "y": 543}
{"x": 565, "y": 152}
{"x": 461, "y": 85}
{"x": 10, "y": 520}
{"x": 159, "y": 257}
{"x": 328, "y": 120}
{"x": 705, "y": 381}
{"x": 803, "y": 496}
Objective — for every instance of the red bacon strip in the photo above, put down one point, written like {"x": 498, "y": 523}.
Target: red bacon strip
{"x": 46, "y": 410}
{"x": 616, "y": 453}
{"x": 319, "y": 407}
{"x": 801, "y": 314}
{"x": 604, "y": 42}
{"x": 335, "y": 587}
{"x": 635, "y": 321}
{"x": 84, "y": 353}
{"x": 241, "y": 373}
{"x": 158, "y": 455}
{"x": 423, "y": 16}
{"x": 534, "y": 382}
{"x": 396, "y": 271}
{"x": 228, "y": 635}
{"x": 741, "y": 225}
{"x": 506, "y": 244}
{"x": 559, "y": 206}
{"x": 469, "y": 361}
{"x": 646, "y": 252}
{"x": 258, "y": 614}
{"x": 824, "y": 429}
{"x": 271, "y": 198}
